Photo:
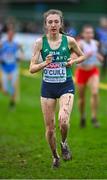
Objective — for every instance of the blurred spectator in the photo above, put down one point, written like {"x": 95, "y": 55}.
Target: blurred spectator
{"x": 1, "y": 27}
{"x": 70, "y": 30}
{"x": 9, "y": 49}
{"x": 12, "y": 23}
{"x": 0, "y": 62}
{"x": 101, "y": 34}
{"x": 87, "y": 74}
{"x": 1, "y": 30}
{"x": 31, "y": 27}
{"x": 9, "y": 23}
{"x": 24, "y": 27}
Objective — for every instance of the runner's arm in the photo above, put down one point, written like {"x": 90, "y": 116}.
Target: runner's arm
{"x": 21, "y": 57}
{"x": 34, "y": 66}
{"x": 99, "y": 55}
{"x": 75, "y": 48}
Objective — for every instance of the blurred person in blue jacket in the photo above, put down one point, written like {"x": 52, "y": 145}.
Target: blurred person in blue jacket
{"x": 70, "y": 29}
{"x": 0, "y": 56}
{"x": 101, "y": 34}
{"x": 9, "y": 52}
{"x": 0, "y": 67}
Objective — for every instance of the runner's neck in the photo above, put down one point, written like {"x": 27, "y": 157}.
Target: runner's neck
{"x": 54, "y": 37}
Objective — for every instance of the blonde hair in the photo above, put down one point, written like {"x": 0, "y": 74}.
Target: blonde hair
{"x": 58, "y": 12}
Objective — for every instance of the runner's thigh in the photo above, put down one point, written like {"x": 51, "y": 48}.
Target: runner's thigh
{"x": 48, "y": 109}
{"x": 65, "y": 106}
{"x": 94, "y": 84}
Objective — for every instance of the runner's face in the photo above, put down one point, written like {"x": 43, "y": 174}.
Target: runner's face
{"x": 88, "y": 33}
{"x": 53, "y": 23}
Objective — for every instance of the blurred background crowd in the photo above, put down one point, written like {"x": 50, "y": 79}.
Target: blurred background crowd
{"x": 27, "y": 17}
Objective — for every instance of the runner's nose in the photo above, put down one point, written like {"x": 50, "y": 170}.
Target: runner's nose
{"x": 53, "y": 24}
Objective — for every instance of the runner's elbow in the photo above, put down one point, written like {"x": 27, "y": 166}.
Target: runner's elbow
{"x": 84, "y": 57}
{"x": 31, "y": 70}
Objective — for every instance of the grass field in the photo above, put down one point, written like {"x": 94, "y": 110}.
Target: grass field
{"x": 24, "y": 152}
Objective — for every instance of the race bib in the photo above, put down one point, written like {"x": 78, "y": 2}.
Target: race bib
{"x": 55, "y": 72}
{"x": 9, "y": 58}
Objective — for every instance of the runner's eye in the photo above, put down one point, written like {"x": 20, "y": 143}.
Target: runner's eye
{"x": 56, "y": 21}
{"x": 50, "y": 22}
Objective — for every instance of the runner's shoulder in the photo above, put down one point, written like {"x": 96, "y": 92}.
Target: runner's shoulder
{"x": 71, "y": 41}
{"x": 38, "y": 43}
{"x": 96, "y": 42}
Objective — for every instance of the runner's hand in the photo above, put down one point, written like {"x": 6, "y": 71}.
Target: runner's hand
{"x": 89, "y": 54}
{"x": 70, "y": 62}
{"x": 48, "y": 59}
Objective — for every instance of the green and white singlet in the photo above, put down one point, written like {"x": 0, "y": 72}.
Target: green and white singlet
{"x": 56, "y": 72}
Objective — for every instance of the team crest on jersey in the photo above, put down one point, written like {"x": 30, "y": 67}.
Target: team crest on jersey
{"x": 46, "y": 50}
{"x": 64, "y": 48}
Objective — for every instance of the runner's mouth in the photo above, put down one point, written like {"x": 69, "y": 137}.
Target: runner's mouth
{"x": 53, "y": 30}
